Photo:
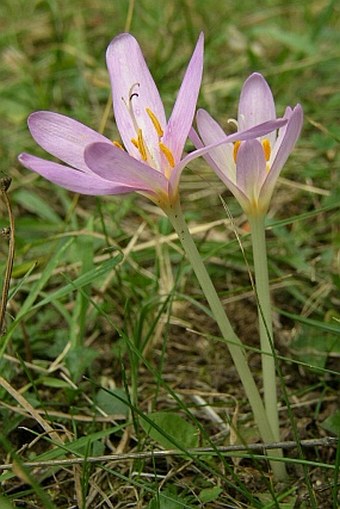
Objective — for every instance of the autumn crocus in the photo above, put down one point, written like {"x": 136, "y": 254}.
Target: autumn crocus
{"x": 151, "y": 147}
{"x": 250, "y": 168}
{"x": 149, "y": 158}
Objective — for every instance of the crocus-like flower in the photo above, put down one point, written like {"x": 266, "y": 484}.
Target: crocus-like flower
{"x": 149, "y": 160}
{"x": 250, "y": 168}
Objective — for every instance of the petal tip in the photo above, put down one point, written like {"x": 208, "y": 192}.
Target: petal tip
{"x": 122, "y": 39}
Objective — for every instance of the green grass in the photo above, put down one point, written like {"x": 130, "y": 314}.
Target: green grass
{"x": 106, "y": 326}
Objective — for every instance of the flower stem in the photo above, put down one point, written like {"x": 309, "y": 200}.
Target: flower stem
{"x": 265, "y": 321}
{"x": 234, "y": 344}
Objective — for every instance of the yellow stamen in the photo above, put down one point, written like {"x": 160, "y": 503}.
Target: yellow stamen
{"x": 155, "y": 122}
{"x": 237, "y": 145}
{"x": 117, "y": 144}
{"x": 134, "y": 142}
{"x": 168, "y": 154}
{"x": 140, "y": 145}
{"x": 266, "y": 148}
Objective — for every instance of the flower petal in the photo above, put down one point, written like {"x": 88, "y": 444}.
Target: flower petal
{"x": 133, "y": 91}
{"x": 71, "y": 179}
{"x": 253, "y": 132}
{"x": 256, "y": 104}
{"x": 63, "y": 137}
{"x": 211, "y": 132}
{"x": 221, "y": 172}
{"x": 250, "y": 168}
{"x": 285, "y": 143}
{"x": 115, "y": 165}
{"x": 182, "y": 115}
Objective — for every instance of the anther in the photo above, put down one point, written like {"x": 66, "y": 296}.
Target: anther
{"x": 118, "y": 145}
{"x": 140, "y": 145}
{"x": 266, "y": 148}
{"x": 168, "y": 154}
{"x": 155, "y": 122}
{"x": 237, "y": 145}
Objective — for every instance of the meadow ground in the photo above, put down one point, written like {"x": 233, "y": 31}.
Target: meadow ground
{"x": 109, "y": 347}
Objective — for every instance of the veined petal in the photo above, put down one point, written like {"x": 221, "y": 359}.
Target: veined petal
{"x": 221, "y": 172}
{"x": 115, "y": 165}
{"x": 183, "y": 112}
{"x": 133, "y": 91}
{"x": 63, "y": 137}
{"x": 250, "y": 168}
{"x": 71, "y": 179}
{"x": 288, "y": 136}
{"x": 249, "y": 134}
{"x": 253, "y": 132}
{"x": 256, "y": 104}
{"x": 211, "y": 132}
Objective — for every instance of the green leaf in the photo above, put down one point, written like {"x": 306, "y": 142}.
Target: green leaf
{"x": 79, "y": 359}
{"x": 37, "y": 287}
{"x": 313, "y": 346}
{"x": 5, "y": 504}
{"x": 33, "y": 203}
{"x": 168, "y": 499}
{"x": 54, "y": 382}
{"x": 113, "y": 402}
{"x": 210, "y": 494}
{"x": 332, "y": 423}
{"x": 81, "y": 281}
{"x": 170, "y": 430}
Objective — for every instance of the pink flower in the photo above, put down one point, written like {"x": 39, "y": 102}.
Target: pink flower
{"x": 150, "y": 159}
{"x": 250, "y": 168}
{"x": 153, "y": 146}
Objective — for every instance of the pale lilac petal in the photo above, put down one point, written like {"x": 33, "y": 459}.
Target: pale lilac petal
{"x": 239, "y": 194}
{"x": 256, "y": 104}
{"x": 183, "y": 112}
{"x": 113, "y": 164}
{"x": 211, "y": 132}
{"x": 280, "y": 135}
{"x": 71, "y": 179}
{"x": 253, "y": 132}
{"x": 133, "y": 91}
{"x": 249, "y": 134}
{"x": 286, "y": 142}
{"x": 218, "y": 166}
{"x": 250, "y": 168}
{"x": 63, "y": 137}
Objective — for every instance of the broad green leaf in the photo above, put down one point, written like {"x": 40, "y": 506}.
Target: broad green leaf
{"x": 168, "y": 499}
{"x": 332, "y": 423}
{"x": 113, "y": 402}
{"x": 79, "y": 359}
{"x": 210, "y": 494}
{"x": 170, "y": 430}
{"x": 5, "y": 504}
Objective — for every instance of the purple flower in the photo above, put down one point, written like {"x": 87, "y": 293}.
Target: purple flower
{"x": 149, "y": 160}
{"x": 153, "y": 147}
{"x": 250, "y": 168}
